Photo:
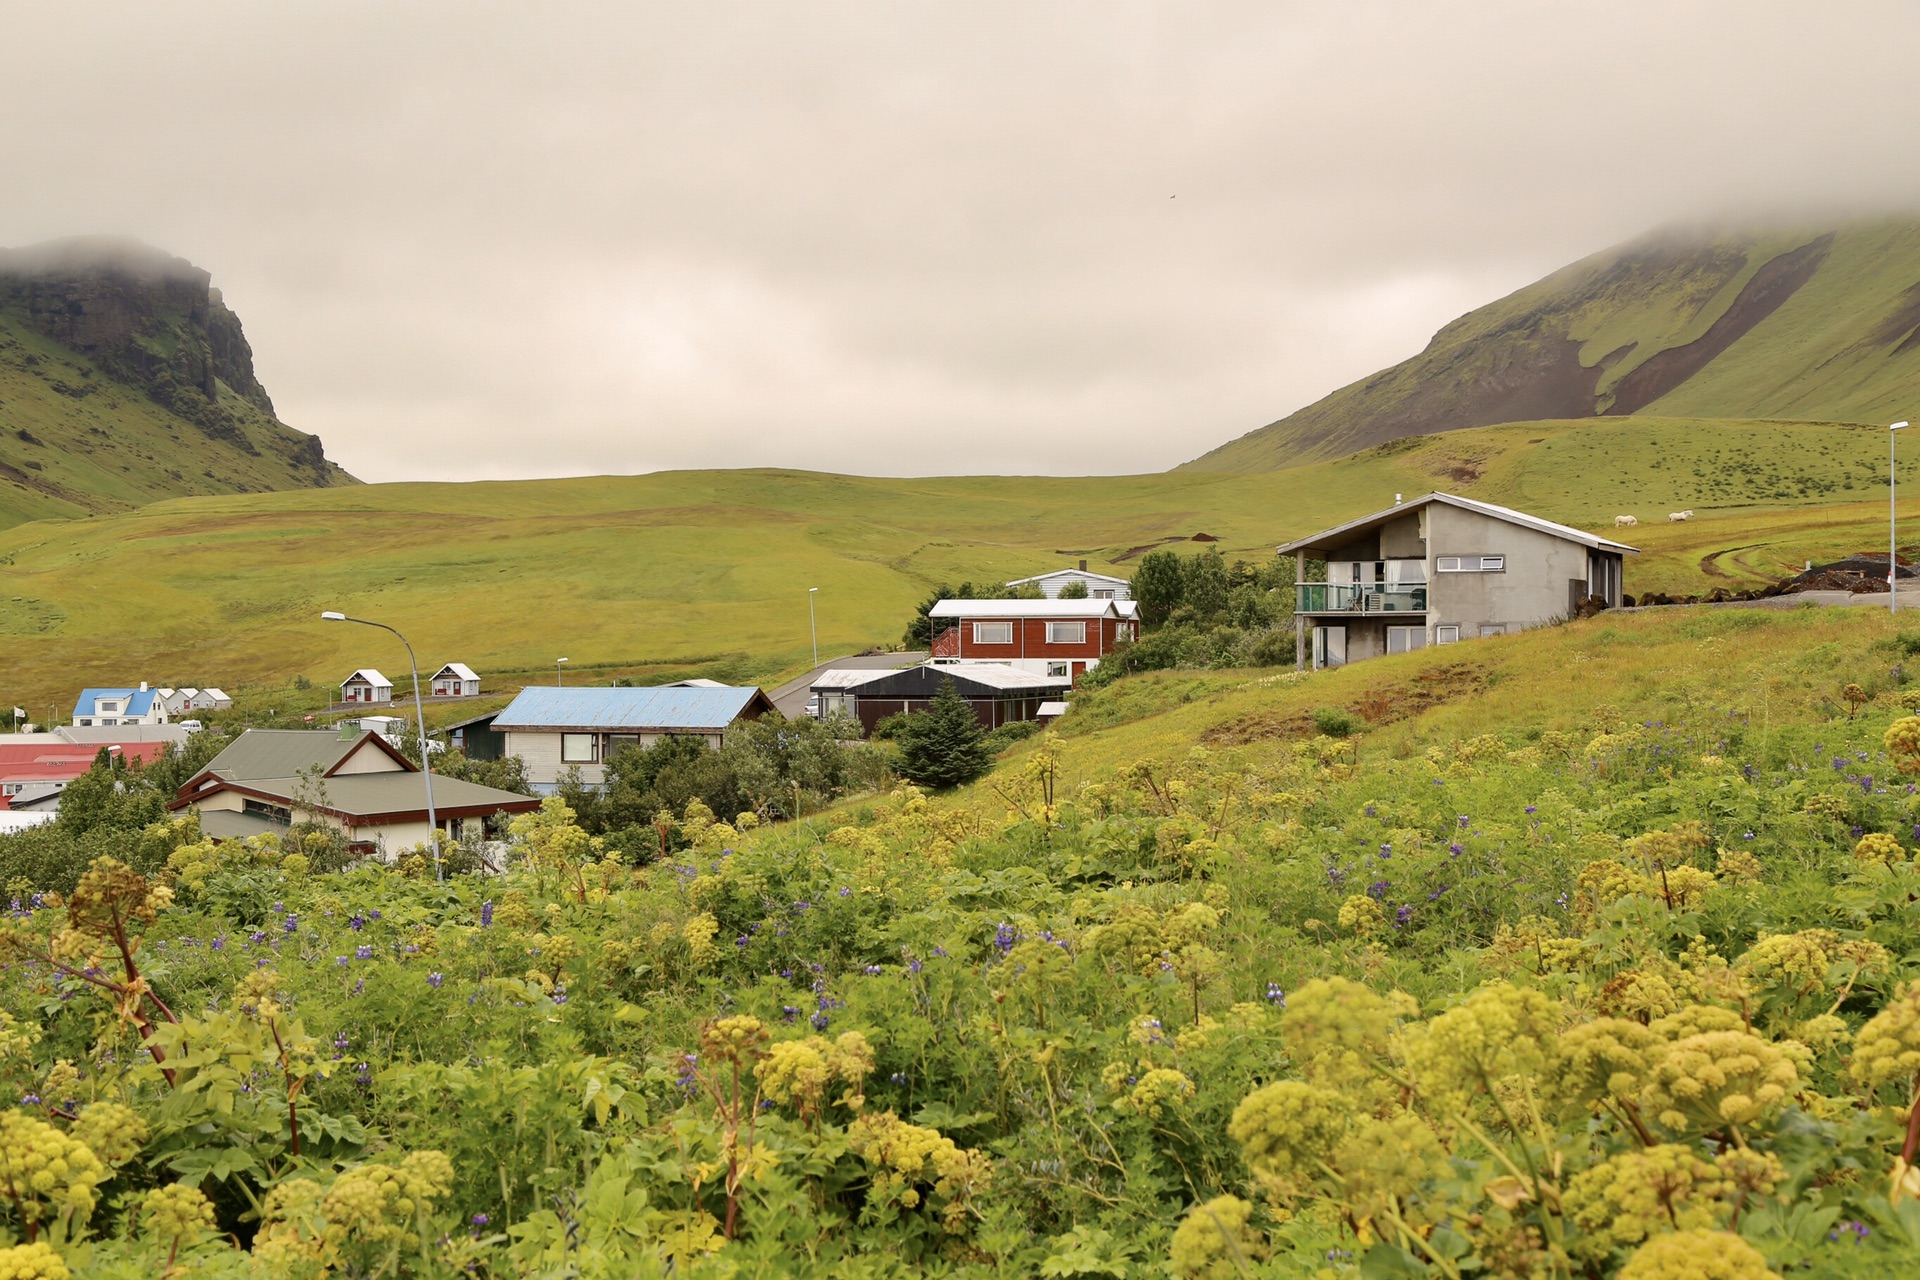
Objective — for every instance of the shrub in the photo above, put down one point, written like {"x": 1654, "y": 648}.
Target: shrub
{"x": 1335, "y": 722}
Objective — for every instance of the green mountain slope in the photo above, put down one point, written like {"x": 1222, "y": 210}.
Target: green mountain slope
{"x": 706, "y": 573}
{"x": 1812, "y": 324}
{"x": 124, "y": 378}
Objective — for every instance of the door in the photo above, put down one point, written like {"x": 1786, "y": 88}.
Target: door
{"x": 1329, "y": 647}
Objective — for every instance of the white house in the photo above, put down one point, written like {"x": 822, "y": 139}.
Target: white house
{"x": 1099, "y": 586}
{"x": 366, "y": 685}
{"x": 553, "y": 729}
{"x": 455, "y": 680}
{"x": 99, "y": 708}
{"x": 180, "y": 702}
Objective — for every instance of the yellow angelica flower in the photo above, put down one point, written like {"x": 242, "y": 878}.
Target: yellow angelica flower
{"x": 1288, "y": 1129}
{"x": 113, "y": 1132}
{"x": 176, "y": 1210}
{"x": 1797, "y": 960}
{"x": 1605, "y": 1057}
{"x": 36, "y": 1261}
{"x": 1629, "y": 1197}
{"x": 1887, "y": 1049}
{"x": 1697, "y": 1255}
{"x": 1702, "y": 1082}
{"x": 1333, "y": 1025}
{"x": 1499, "y": 1031}
{"x": 1159, "y": 1090}
{"x": 43, "y": 1171}
{"x": 1215, "y": 1242}
{"x": 1902, "y": 741}
{"x": 1880, "y": 848}
{"x": 1363, "y": 916}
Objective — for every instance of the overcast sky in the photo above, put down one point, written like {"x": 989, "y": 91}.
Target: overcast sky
{"x": 491, "y": 240}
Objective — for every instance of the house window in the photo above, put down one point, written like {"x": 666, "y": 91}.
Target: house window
{"x": 1104, "y": 593}
{"x": 1406, "y": 639}
{"x": 1493, "y": 628}
{"x": 1066, "y": 633}
{"x": 1446, "y": 635}
{"x": 1059, "y": 670}
{"x": 993, "y": 633}
{"x": 579, "y": 748}
{"x": 1470, "y": 564}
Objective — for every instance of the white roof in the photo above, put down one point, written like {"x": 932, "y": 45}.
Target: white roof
{"x": 458, "y": 670}
{"x": 1054, "y": 709}
{"x": 697, "y": 682}
{"x": 370, "y": 676}
{"x": 1507, "y": 514}
{"x": 216, "y": 694}
{"x": 1072, "y": 573}
{"x": 1030, "y": 609}
{"x": 995, "y": 675}
{"x": 847, "y": 677}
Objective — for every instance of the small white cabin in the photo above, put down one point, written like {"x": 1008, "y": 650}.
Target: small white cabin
{"x": 455, "y": 680}
{"x": 366, "y": 685}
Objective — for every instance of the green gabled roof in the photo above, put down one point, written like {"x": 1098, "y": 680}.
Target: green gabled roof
{"x": 281, "y": 753}
{"x": 362, "y": 795}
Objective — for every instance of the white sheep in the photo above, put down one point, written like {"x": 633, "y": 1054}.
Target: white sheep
{"x": 1625, "y": 522}
{"x": 1677, "y": 516}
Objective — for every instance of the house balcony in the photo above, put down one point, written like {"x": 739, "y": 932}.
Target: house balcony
{"x": 1341, "y": 598}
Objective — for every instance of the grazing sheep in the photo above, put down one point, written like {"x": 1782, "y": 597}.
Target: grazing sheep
{"x": 1677, "y": 516}
{"x": 1625, "y": 522}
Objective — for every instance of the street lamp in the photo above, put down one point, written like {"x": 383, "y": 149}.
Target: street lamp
{"x": 559, "y": 675}
{"x": 813, "y": 626}
{"x": 420, "y": 719}
{"x": 1893, "y": 563}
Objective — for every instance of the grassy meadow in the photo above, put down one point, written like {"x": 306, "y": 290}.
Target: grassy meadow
{"x": 705, "y": 573}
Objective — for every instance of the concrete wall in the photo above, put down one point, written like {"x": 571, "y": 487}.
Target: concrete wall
{"x": 1530, "y": 592}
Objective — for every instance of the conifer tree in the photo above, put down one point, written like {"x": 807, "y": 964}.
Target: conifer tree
{"x": 944, "y": 745}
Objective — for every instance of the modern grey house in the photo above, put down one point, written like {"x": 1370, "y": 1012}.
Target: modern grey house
{"x": 1439, "y": 569}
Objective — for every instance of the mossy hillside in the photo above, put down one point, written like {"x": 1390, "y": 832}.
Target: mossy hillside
{"x": 75, "y": 442}
{"x": 705, "y": 573}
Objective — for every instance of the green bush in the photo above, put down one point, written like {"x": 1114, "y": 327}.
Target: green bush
{"x": 1335, "y": 722}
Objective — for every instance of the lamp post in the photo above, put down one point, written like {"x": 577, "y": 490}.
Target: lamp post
{"x": 813, "y": 627}
{"x": 420, "y": 719}
{"x": 1893, "y": 563}
{"x": 559, "y": 674}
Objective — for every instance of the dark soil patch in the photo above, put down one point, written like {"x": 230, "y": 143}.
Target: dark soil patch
{"x": 1377, "y": 707}
{"x": 1771, "y": 286}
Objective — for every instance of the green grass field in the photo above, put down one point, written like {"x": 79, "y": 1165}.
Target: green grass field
{"x": 706, "y": 572}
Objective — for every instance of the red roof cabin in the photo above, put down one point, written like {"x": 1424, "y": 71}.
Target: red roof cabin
{"x": 1054, "y": 638}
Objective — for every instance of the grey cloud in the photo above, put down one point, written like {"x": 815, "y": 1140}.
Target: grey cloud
{"x": 903, "y": 238}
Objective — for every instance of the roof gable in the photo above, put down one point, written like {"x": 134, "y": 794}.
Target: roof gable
{"x": 1315, "y": 540}
{"x": 285, "y": 753}
{"x": 1086, "y": 574}
{"x": 458, "y": 670}
{"x": 369, "y": 675}
{"x": 139, "y": 701}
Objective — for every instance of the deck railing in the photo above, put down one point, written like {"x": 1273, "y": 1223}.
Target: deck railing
{"x": 1328, "y": 597}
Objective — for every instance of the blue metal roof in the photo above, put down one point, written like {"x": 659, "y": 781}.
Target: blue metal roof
{"x": 139, "y": 702}
{"x": 626, "y": 710}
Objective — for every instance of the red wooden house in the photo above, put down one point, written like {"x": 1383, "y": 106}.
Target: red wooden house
{"x": 1055, "y": 638}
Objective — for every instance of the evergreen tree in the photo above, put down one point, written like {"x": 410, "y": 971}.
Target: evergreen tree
{"x": 1159, "y": 586}
{"x": 944, "y": 745}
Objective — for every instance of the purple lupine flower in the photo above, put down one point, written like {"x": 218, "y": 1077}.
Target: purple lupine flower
{"x": 1371, "y": 811}
{"x": 257, "y": 937}
{"x": 789, "y": 1011}
{"x": 873, "y": 971}
{"x": 914, "y": 965}
{"x": 1004, "y": 937}
{"x": 803, "y": 906}
{"x": 341, "y": 1044}
{"x": 480, "y": 1219}
{"x": 363, "y": 953}
{"x": 1465, "y": 822}
{"x": 342, "y": 960}
{"x": 1533, "y": 808}
{"x": 360, "y": 986}
{"x": 1379, "y": 889}
{"x": 374, "y": 914}
{"x": 356, "y": 922}
{"x": 1455, "y": 850}
{"x": 940, "y": 951}
{"x": 742, "y": 940}
{"x": 1436, "y": 893}
{"x": 292, "y": 922}
{"x": 486, "y": 914}
{"x": 819, "y": 1020}
{"x": 219, "y": 942}
{"x": 559, "y": 995}
{"x": 1401, "y": 917}
{"x": 898, "y": 1077}
{"x": 845, "y": 891}
{"x": 1386, "y": 851}
{"x": 434, "y": 979}
{"x": 1275, "y": 996}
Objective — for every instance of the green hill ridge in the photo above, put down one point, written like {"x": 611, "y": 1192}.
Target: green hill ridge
{"x": 124, "y": 379}
{"x": 1811, "y": 324}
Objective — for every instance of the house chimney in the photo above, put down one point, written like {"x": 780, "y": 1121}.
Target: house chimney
{"x": 1083, "y": 566}
{"x": 143, "y": 686}
{"x": 1396, "y": 499}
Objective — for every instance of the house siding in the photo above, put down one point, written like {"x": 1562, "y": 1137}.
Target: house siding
{"x": 1532, "y": 591}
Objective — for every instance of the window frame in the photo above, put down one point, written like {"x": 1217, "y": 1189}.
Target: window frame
{"x": 593, "y": 748}
{"x": 980, "y": 630}
{"x": 1077, "y": 628}
{"x": 1447, "y": 633}
{"x": 1061, "y": 670}
{"x": 1416, "y": 636}
{"x": 1470, "y": 564}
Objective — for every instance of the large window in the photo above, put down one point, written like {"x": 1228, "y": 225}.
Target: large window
{"x": 993, "y": 633}
{"x": 1470, "y": 564}
{"x": 579, "y": 748}
{"x": 1406, "y": 639}
{"x": 1066, "y": 633}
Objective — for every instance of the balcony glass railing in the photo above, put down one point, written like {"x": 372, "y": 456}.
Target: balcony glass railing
{"x": 1327, "y": 597}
